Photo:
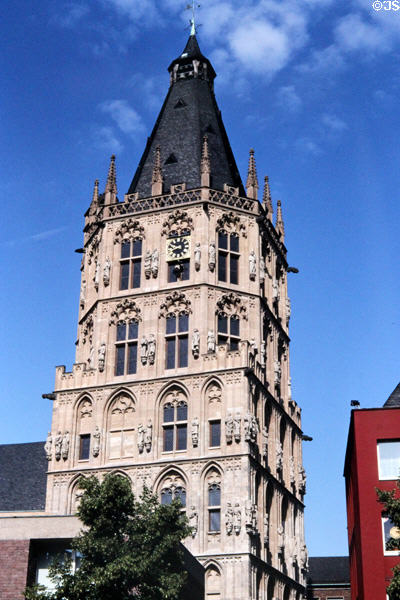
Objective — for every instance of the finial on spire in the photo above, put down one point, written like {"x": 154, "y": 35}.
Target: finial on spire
{"x": 95, "y": 199}
{"x": 111, "y": 185}
{"x": 252, "y": 182}
{"x": 279, "y": 225}
{"x": 205, "y": 168}
{"x": 157, "y": 177}
{"x": 193, "y": 7}
{"x": 267, "y": 201}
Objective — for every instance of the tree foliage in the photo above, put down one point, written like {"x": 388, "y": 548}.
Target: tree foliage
{"x": 391, "y": 503}
{"x": 129, "y": 548}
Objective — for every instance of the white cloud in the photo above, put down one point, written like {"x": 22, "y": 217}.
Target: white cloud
{"x": 323, "y": 62}
{"x": 126, "y": 117}
{"x": 71, "y": 14}
{"x": 333, "y": 123}
{"x": 354, "y": 33}
{"x": 135, "y": 9}
{"x": 105, "y": 138}
{"x": 288, "y": 98}
{"x": 307, "y": 145}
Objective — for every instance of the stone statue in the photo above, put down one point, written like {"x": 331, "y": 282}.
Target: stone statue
{"x": 194, "y": 521}
{"x": 65, "y": 445}
{"x": 148, "y": 436}
{"x": 143, "y": 350}
{"x": 48, "y": 445}
{"x": 252, "y": 265}
{"x": 195, "y": 432}
{"x": 304, "y": 558}
{"x": 155, "y": 263}
{"x": 82, "y": 297}
{"x": 251, "y": 517}
{"x": 288, "y": 311}
{"x": 277, "y": 371}
{"x": 96, "y": 277}
{"x": 229, "y": 519}
{"x": 197, "y": 256}
{"x": 211, "y": 256}
{"x": 140, "y": 440}
{"x": 57, "y": 445}
{"x": 236, "y": 427}
{"x": 101, "y": 357}
{"x": 246, "y": 427}
{"x": 266, "y": 530}
{"x": 151, "y": 349}
{"x": 96, "y": 442}
{"x": 210, "y": 341}
{"x": 253, "y": 346}
{"x": 237, "y": 519}
{"x": 91, "y": 357}
{"x": 281, "y": 540}
{"x": 254, "y": 429}
{"x": 279, "y": 456}
{"x": 275, "y": 290}
{"x": 262, "y": 269}
{"x": 289, "y": 388}
{"x": 147, "y": 264}
{"x": 291, "y": 471}
{"x": 263, "y": 354}
{"x": 107, "y": 272}
{"x": 265, "y": 443}
{"x": 302, "y": 480}
{"x": 229, "y": 428}
{"x": 196, "y": 343}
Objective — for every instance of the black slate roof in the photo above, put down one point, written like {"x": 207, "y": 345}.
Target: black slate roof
{"x": 189, "y": 112}
{"x": 23, "y": 470}
{"x": 328, "y": 569}
{"x": 394, "y": 398}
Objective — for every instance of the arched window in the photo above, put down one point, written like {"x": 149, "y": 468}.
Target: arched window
{"x": 121, "y": 427}
{"x": 175, "y": 415}
{"x": 173, "y": 488}
{"x": 126, "y": 348}
{"x": 214, "y": 507}
{"x": 130, "y": 264}
{"x": 84, "y": 427}
{"x": 213, "y": 398}
{"x": 228, "y": 257}
{"x": 176, "y": 341}
{"x": 213, "y": 583}
{"x": 229, "y": 331}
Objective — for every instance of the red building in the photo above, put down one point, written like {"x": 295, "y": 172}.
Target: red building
{"x": 372, "y": 461}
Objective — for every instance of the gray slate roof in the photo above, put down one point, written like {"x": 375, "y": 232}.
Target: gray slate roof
{"x": 394, "y": 398}
{"x": 328, "y": 569}
{"x": 189, "y": 112}
{"x": 23, "y": 470}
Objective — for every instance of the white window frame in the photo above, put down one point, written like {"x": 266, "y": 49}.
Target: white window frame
{"x": 379, "y": 444}
{"x": 387, "y": 552}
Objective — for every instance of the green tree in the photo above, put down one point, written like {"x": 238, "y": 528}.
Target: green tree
{"x": 391, "y": 509}
{"x": 130, "y": 549}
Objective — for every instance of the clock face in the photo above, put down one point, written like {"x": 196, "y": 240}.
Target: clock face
{"x": 178, "y": 248}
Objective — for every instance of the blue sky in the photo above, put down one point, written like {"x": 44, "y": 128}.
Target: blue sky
{"x": 313, "y": 86}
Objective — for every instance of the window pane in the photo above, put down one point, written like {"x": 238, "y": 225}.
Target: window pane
{"x": 222, "y": 266}
{"x": 171, "y": 324}
{"x": 84, "y": 447}
{"x": 172, "y": 275}
{"x": 222, "y": 324}
{"x": 214, "y": 495}
{"x": 185, "y": 273}
{"x": 133, "y": 330}
{"x": 170, "y": 351}
{"x": 120, "y": 360}
{"x": 215, "y": 433}
{"x": 132, "y": 358}
{"x": 168, "y": 445}
{"x": 234, "y": 268}
{"x": 222, "y": 339}
{"x": 215, "y": 520}
{"x": 124, "y": 277}
{"x": 125, "y": 250}
{"x": 136, "y": 268}
{"x": 183, "y": 323}
{"x": 168, "y": 413}
{"x": 235, "y": 323}
{"x": 137, "y": 248}
{"x": 234, "y": 345}
{"x": 180, "y": 494}
{"x": 234, "y": 242}
{"x": 223, "y": 240}
{"x": 121, "y": 332}
{"x": 181, "y": 434}
{"x": 166, "y": 496}
{"x": 183, "y": 351}
{"x": 389, "y": 460}
{"x": 181, "y": 412}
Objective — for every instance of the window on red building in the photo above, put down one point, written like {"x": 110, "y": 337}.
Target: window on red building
{"x": 389, "y": 459}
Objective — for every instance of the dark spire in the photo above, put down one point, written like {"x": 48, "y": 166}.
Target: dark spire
{"x": 394, "y": 398}
{"x": 189, "y": 113}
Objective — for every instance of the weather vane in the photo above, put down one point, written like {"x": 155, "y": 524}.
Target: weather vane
{"x": 193, "y": 7}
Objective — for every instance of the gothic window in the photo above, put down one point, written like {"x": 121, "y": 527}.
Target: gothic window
{"x": 229, "y": 331}
{"x": 213, "y": 583}
{"x": 121, "y": 417}
{"x": 84, "y": 446}
{"x": 228, "y": 257}
{"x": 214, "y": 507}
{"x": 176, "y": 341}
{"x": 179, "y": 270}
{"x": 213, "y": 397}
{"x": 84, "y": 428}
{"x": 215, "y": 433}
{"x": 173, "y": 493}
{"x": 174, "y": 426}
{"x": 126, "y": 348}
{"x": 130, "y": 264}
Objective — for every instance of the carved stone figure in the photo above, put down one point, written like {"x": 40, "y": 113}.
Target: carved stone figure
{"x": 281, "y": 540}
{"x": 140, "y": 437}
{"x": 253, "y": 346}
{"x": 148, "y": 436}
{"x": 57, "y": 445}
{"x": 304, "y": 558}
{"x": 48, "y": 445}
{"x": 289, "y": 388}
{"x": 246, "y": 427}
{"x": 277, "y": 371}
{"x": 143, "y": 350}
{"x": 237, "y": 519}
{"x": 252, "y": 265}
{"x": 275, "y": 290}
{"x": 229, "y": 428}
{"x": 96, "y": 442}
{"x": 82, "y": 297}
{"x": 91, "y": 358}
{"x": 292, "y": 476}
{"x": 194, "y": 521}
{"x": 155, "y": 261}
{"x": 236, "y": 427}
{"x": 211, "y": 256}
{"x": 107, "y": 272}
{"x": 196, "y": 343}
{"x": 151, "y": 349}
{"x": 197, "y": 256}
{"x": 279, "y": 456}
{"x": 288, "y": 310}
{"x": 265, "y": 443}
{"x": 251, "y": 518}
{"x": 263, "y": 354}
{"x": 262, "y": 269}
{"x": 266, "y": 530}
{"x": 210, "y": 341}
{"x": 195, "y": 432}
{"x": 65, "y": 445}
{"x": 147, "y": 264}
{"x": 101, "y": 357}
{"x": 302, "y": 480}
{"x": 229, "y": 515}
{"x": 96, "y": 277}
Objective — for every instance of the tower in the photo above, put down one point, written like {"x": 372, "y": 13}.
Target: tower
{"x": 181, "y": 380}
